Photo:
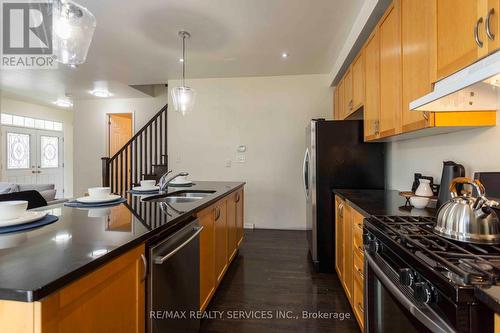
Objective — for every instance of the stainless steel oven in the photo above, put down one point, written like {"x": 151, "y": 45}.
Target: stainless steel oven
{"x": 392, "y": 307}
{"x": 174, "y": 282}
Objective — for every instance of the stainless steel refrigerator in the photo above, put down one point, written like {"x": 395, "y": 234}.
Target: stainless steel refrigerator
{"x": 336, "y": 157}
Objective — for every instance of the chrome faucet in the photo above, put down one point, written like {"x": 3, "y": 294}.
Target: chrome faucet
{"x": 163, "y": 182}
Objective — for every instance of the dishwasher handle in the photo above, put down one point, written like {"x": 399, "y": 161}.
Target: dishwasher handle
{"x": 160, "y": 260}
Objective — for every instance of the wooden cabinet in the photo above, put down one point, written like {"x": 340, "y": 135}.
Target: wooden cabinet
{"x": 372, "y": 87}
{"x": 221, "y": 258}
{"x": 467, "y": 30}
{"x": 358, "y": 81}
{"x": 240, "y": 211}
{"x": 207, "y": 256}
{"x": 232, "y": 242}
{"x": 341, "y": 113}
{"x": 493, "y": 24}
{"x": 347, "y": 252}
{"x": 336, "y": 111}
{"x": 418, "y": 26}
{"x": 110, "y": 299}
{"x": 349, "y": 255}
{"x": 220, "y": 239}
{"x": 339, "y": 237}
{"x": 348, "y": 104}
{"x": 390, "y": 71}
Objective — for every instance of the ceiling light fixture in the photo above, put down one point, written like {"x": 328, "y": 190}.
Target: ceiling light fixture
{"x": 284, "y": 55}
{"x": 101, "y": 93}
{"x": 64, "y": 103}
{"x": 181, "y": 60}
{"x": 73, "y": 27}
{"x": 183, "y": 97}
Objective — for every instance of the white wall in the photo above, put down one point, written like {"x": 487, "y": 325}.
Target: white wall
{"x": 476, "y": 149}
{"x": 269, "y": 116}
{"x": 91, "y": 131}
{"x": 28, "y": 109}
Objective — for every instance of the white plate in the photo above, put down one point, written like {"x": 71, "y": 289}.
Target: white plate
{"x": 28, "y": 216}
{"x": 146, "y": 189}
{"x": 90, "y": 200}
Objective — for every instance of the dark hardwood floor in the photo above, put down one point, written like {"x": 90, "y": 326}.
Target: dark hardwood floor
{"x": 273, "y": 273}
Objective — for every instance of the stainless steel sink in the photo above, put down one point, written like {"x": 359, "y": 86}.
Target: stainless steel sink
{"x": 180, "y": 196}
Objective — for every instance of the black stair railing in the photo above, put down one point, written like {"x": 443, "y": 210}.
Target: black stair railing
{"x": 139, "y": 157}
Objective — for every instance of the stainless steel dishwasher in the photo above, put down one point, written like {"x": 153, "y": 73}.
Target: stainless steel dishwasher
{"x": 174, "y": 282}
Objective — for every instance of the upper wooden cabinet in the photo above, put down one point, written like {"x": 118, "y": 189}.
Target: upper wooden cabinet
{"x": 493, "y": 24}
{"x": 348, "y": 106}
{"x": 418, "y": 27}
{"x": 466, "y": 31}
{"x": 358, "y": 81}
{"x": 372, "y": 87}
{"x": 390, "y": 71}
{"x": 341, "y": 112}
{"x": 336, "y": 104}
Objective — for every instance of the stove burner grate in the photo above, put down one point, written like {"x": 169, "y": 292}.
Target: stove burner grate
{"x": 475, "y": 264}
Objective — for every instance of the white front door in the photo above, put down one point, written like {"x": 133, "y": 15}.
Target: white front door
{"x": 32, "y": 156}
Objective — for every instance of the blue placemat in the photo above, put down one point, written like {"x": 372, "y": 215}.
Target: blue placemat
{"x": 143, "y": 192}
{"x": 30, "y": 225}
{"x": 76, "y": 204}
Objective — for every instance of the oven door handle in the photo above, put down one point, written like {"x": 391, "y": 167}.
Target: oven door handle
{"x": 427, "y": 317}
{"x": 160, "y": 260}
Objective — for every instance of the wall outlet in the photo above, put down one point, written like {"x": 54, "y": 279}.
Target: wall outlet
{"x": 242, "y": 158}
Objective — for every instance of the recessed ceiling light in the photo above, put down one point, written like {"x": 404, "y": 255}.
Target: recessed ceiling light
{"x": 101, "y": 93}
{"x": 284, "y": 55}
{"x": 64, "y": 103}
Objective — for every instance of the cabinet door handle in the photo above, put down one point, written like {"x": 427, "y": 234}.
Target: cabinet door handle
{"x": 341, "y": 210}
{"x": 217, "y": 213}
{"x": 360, "y": 272}
{"x": 479, "y": 42}
{"x": 144, "y": 267}
{"x": 360, "y": 226}
{"x": 360, "y": 307}
{"x": 238, "y": 197}
{"x": 490, "y": 34}
{"x": 360, "y": 249}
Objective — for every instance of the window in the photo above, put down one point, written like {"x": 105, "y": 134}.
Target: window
{"x": 8, "y": 119}
{"x": 18, "y": 151}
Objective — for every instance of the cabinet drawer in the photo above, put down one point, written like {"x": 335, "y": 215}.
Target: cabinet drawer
{"x": 357, "y": 231}
{"x": 358, "y": 303}
{"x": 358, "y": 266}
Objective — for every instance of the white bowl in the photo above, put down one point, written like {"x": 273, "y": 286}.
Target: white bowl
{"x": 10, "y": 210}
{"x": 419, "y": 202}
{"x": 99, "y": 192}
{"x": 148, "y": 183}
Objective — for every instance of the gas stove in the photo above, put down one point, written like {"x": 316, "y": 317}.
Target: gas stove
{"x": 436, "y": 275}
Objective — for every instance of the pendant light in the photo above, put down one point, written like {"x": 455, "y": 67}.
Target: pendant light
{"x": 183, "y": 97}
{"x": 73, "y": 27}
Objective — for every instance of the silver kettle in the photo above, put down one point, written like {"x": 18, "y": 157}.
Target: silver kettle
{"x": 466, "y": 218}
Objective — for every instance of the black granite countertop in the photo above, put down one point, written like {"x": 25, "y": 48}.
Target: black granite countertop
{"x": 36, "y": 263}
{"x": 380, "y": 202}
{"x": 489, "y": 296}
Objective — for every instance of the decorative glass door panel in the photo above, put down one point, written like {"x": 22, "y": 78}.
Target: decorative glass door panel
{"x": 33, "y": 156}
{"x": 18, "y": 151}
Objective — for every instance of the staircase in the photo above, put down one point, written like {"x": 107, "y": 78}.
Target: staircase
{"x": 144, "y": 156}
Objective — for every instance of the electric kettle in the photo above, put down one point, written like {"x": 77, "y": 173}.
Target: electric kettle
{"x": 467, "y": 218}
{"x": 451, "y": 170}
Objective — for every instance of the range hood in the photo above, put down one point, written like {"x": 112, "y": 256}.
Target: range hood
{"x": 474, "y": 88}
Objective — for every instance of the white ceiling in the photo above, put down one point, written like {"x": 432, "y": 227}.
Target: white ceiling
{"x": 136, "y": 42}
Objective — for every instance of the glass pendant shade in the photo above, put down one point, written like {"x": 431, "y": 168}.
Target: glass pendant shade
{"x": 183, "y": 99}
{"x": 73, "y": 28}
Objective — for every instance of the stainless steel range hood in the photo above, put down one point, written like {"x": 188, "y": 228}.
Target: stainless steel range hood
{"x": 474, "y": 88}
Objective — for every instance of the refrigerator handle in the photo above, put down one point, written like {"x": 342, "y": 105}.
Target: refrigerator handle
{"x": 305, "y": 172}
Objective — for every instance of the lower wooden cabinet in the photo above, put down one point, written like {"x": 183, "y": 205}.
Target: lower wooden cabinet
{"x": 349, "y": 255}
{"x": 110, "y": 299}
{"x": 220, "y": 239}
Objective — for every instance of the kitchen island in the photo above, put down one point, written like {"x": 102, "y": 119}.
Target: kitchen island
{"x": 38, "y": 264}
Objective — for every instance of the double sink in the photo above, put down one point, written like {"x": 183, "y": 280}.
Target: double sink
{"x": 180, "y": 196}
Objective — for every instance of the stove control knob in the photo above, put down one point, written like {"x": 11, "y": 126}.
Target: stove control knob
{"x": 374, "y": 246}
{"x": 422, "y": 292}
{"x": 406, "y": 277}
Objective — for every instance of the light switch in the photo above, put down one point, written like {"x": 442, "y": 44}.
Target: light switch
{"x": 228, "y": 163}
